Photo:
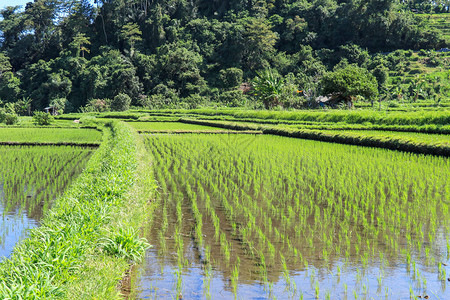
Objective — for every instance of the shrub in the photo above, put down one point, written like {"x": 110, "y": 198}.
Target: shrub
{"x": 2, "y": 115}
{"x": 96, "y": 105}
{"x": 192, "y": 101}
{"x": 231, "y": 77}
{"x": 232, "y": 98}
{"x": 61, "y": 104}
{"x": 42, "y": 118}
{"x": 121, "y": 102}
{"x": 11, "y": 119}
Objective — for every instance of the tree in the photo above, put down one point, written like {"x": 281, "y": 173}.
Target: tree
{"x": 349, "y": 82}
{"x": 131, "y": 34}
{"x": 9, "y": 83}
{"x": 79, "y": 43}
{"x": 258, "y": 42}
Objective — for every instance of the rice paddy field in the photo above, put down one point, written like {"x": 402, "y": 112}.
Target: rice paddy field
{"x": 30, "y": 179}
{"x": 170, "y": 126}
{"x": 441, "y": 139}
{"x": 274, "y": 217}
{"x": 50, "y": 136}
{"x": 274, "y": 212}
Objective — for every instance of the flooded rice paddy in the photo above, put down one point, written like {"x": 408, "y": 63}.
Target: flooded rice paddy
{"x": 272, "y": 217}
{"x": 30, "y": 179}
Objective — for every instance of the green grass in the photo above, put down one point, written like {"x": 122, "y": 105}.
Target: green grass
{"x": 50, "y": 135}
{"x": 169, "y": 126}
{"x": 25, "y": 121}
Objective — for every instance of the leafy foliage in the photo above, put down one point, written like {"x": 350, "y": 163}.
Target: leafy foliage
{"x": 349, "y": 82}
{"x": 69, "y": 49}
{"x": 120, "y": 102}
{"x": 125, "y": 243}
{"x": 42, "y": 118}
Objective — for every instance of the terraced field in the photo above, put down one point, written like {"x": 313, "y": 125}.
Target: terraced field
{"x": 72, "y": 136}
{"x": 441, "y": 22}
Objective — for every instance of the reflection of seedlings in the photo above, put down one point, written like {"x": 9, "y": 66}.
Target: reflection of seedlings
{"x": 286, "y": 275}
{"x": 380, "y": 280}
{"x": 208, "y": 273}
{"x": 235, "y": 277}
{"x": 317, "y": 290}
{"x": 448, "y": 249}
{"x": 179, "y": 283}
{"x": 442, "y": 272}
{"x": 365, "y": 290}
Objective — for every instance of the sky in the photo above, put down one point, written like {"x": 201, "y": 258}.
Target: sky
{"x": 4, "y": 3}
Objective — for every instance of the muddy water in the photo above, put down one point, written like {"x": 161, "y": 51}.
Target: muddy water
{"x": 397, "y": 263}
{"x": 30, "y": 179}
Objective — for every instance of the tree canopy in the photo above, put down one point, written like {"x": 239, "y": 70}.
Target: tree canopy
{"x": 150, "y": 49}
{"x": 350, "y": 81}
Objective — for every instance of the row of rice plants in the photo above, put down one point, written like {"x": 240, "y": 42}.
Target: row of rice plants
{"x": 266, "y": 208}
{"x": 30, "y": 179}
{"x": 170, "y": 126}
{"x": 427, "y": 128}
{"x": 72, "y": 136}
{"x": 436, "y": 117}
{"x": 404, "y": 141}
{"x": 33, "y": 176}
{"x": 89, "y": 237}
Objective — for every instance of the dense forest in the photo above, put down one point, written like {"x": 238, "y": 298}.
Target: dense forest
{"x": 180, "y": 53}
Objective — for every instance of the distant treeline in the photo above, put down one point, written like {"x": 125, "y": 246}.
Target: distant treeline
{"x": 172, "y": 53}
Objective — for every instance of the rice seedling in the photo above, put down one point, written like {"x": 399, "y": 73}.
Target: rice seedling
{"x": 144, "y": 127}
{"x": 30, "y": 179}
{"x": 286, "y": 205}
{"x": 68, "y": 136}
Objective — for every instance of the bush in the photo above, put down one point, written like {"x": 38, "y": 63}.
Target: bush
{"x": 121, "y": 102}
{"x": 42, "y": 118}
{"x": 62, "y": 105}
{"x": 192, "y": 101}
{"x": 11, "y": 119}
{"x": 96, "y": 105}
{"x": 231, "y": 77}
{"x": 232, "y": 98}
{"x": 2, "y": 115}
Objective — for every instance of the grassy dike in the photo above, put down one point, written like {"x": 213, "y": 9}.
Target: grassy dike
{"x": 91, "y": 235}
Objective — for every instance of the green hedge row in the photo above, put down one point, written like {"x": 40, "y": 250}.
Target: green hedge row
{"x": 89, "y": 237}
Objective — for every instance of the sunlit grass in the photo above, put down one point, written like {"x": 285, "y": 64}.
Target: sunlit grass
{"x": 50, "y": 135}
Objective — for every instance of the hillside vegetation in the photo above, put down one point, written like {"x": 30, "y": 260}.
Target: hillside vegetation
{"x": 184, "y": 54}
